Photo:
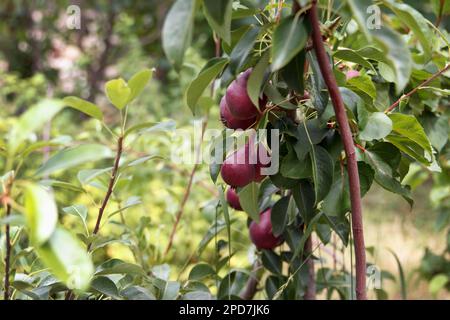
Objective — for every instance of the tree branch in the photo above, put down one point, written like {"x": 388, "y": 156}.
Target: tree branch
{"x": 310, "y": 293}
{"x": 423, "y": 84}
{"x": 112, "y": 181}
{"x": 252, "y": 284}
{"x": 352, "y": 167}
{"x": 7, "y": 254}
{"x": 194, "y": 169}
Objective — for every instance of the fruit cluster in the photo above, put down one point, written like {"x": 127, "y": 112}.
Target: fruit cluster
{"x": 244, "y": 166}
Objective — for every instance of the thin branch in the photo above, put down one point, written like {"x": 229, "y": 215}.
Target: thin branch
{"x": 252, "y": 284}
{"x": 112, "y": 181}
{"x": 423, "y": 84}
{"x": 7, "y": 254}
{"x": 194, "y": 169}
{"x": 441, "y": 11}
{"x": 310, "y": 293}
{"x": 346, "y": 135}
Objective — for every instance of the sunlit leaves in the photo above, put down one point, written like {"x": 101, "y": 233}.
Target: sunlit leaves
{"x": 84, "y": 106}
{"x": 74, "y": 156}
{"x": 118, "y": 92}
{"x": 378, "y": 126}
{"x": 32, "y": 120}
{"x": 41, "y": 213}
{"x": 137, "y": 83}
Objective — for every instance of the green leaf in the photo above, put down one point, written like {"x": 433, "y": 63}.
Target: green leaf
{"x": 378, "y": 126}
{"x": 118, "y": 92}
{"x": 279, "y": 215}
{"x": 84, "y": 106}
{"x": 353, "y": 56}
{"x": 61, "y": 184}
{"x": 41, "y": 213}
{"x": 86, "y": 176}
{"x": 196, "y": 88}
{"x": 293, "y": 73}
{"x": 78, "y": 210}
{"x": 437, "y": 283}
{"x": 256, "y": 79}
{"x": 177, "y": 30}
{"x": 272, "y": 262}
{"x": 304, "y": 197}
{"x": 289, "y": 38}
{"x": 150, "y": 127}
{"x": 364, "y": 86}
{"x": 105, "y": 286}
{"x": 248, "y": 197}
{"x": 408, "y": 127}
{"x": 397, "y": 55}
{"x": 137, "y": 293}
{"x": 319, "y": 90}
{"x": 309, "y": 229}
{"x": 201, "y": 271}
{"x": 218, "y": 14}
{"x": 293, "y": 168}
{"x": 32, "y": 120}
{"x": 116, "y": 266}
{"x": 396, "y": 52}
{"x": 323, "y": 167}
{"x": 401, "y": 275}
{"x": 243, "y": 48}
{"x": 74, "y": 156}
{"x": 415, "y": 22}
{"x": 67, "y": 260}
{"x": 137, "y": 83}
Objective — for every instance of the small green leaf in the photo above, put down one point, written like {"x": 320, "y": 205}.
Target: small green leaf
{"x": 353, "y": 56}
{"x": 243, "y": 48}
{"x": 378, "y": 126}
{"x": 105, "y": 286}
{"x": 118, "y": 92}
{"x": 41, "y": 213}
{"x": 248, "y": 197}
{"x": 289, "y": 38}
{"x": 150, "y": 127}
{"x": 293, "y": 72}
{"x": 323, "y": 167}
{"x": 67, "y": 260}
{"x": 256, "y": 79}
{"x": 279, "y": 215}
{"x": 218, "y": 14}
{"x": 196, "y": 88}
{"x": 32, "y": 120}
{"x": 304, "y": 197}
{"x": 74, "y": 156}
{"x": 137, "y": 83}
{"x": 177, "y": 30}
{"x": 201, "y": 271}
{"x": 77, "y": 210}
{"x": 84, "y": 106}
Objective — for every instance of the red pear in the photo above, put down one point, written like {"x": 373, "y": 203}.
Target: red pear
{"x": 239, "y": 103}
{"x": 261, "y": 233}
{"x": 230, "y": 121}
{"x": 233, "y": 199}
{"x": 236, "y": 169}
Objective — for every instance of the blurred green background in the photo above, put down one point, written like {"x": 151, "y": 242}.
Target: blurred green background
{"x": 41, "y": 57}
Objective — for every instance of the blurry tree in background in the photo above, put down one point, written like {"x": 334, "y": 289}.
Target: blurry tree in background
{"x": 111, "y": 150}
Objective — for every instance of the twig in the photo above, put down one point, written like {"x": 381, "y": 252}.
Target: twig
{"x": 346, "y": 135}
{"x": 8, "y": 253}
{"x": 310, "y": 293}
{"x": 252, "y": 284}
{"x": 434, "y": 76}
{"x": 112, "y": 181}
{"x": 441, "y": 11}
{"x": 194, "y": 169}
